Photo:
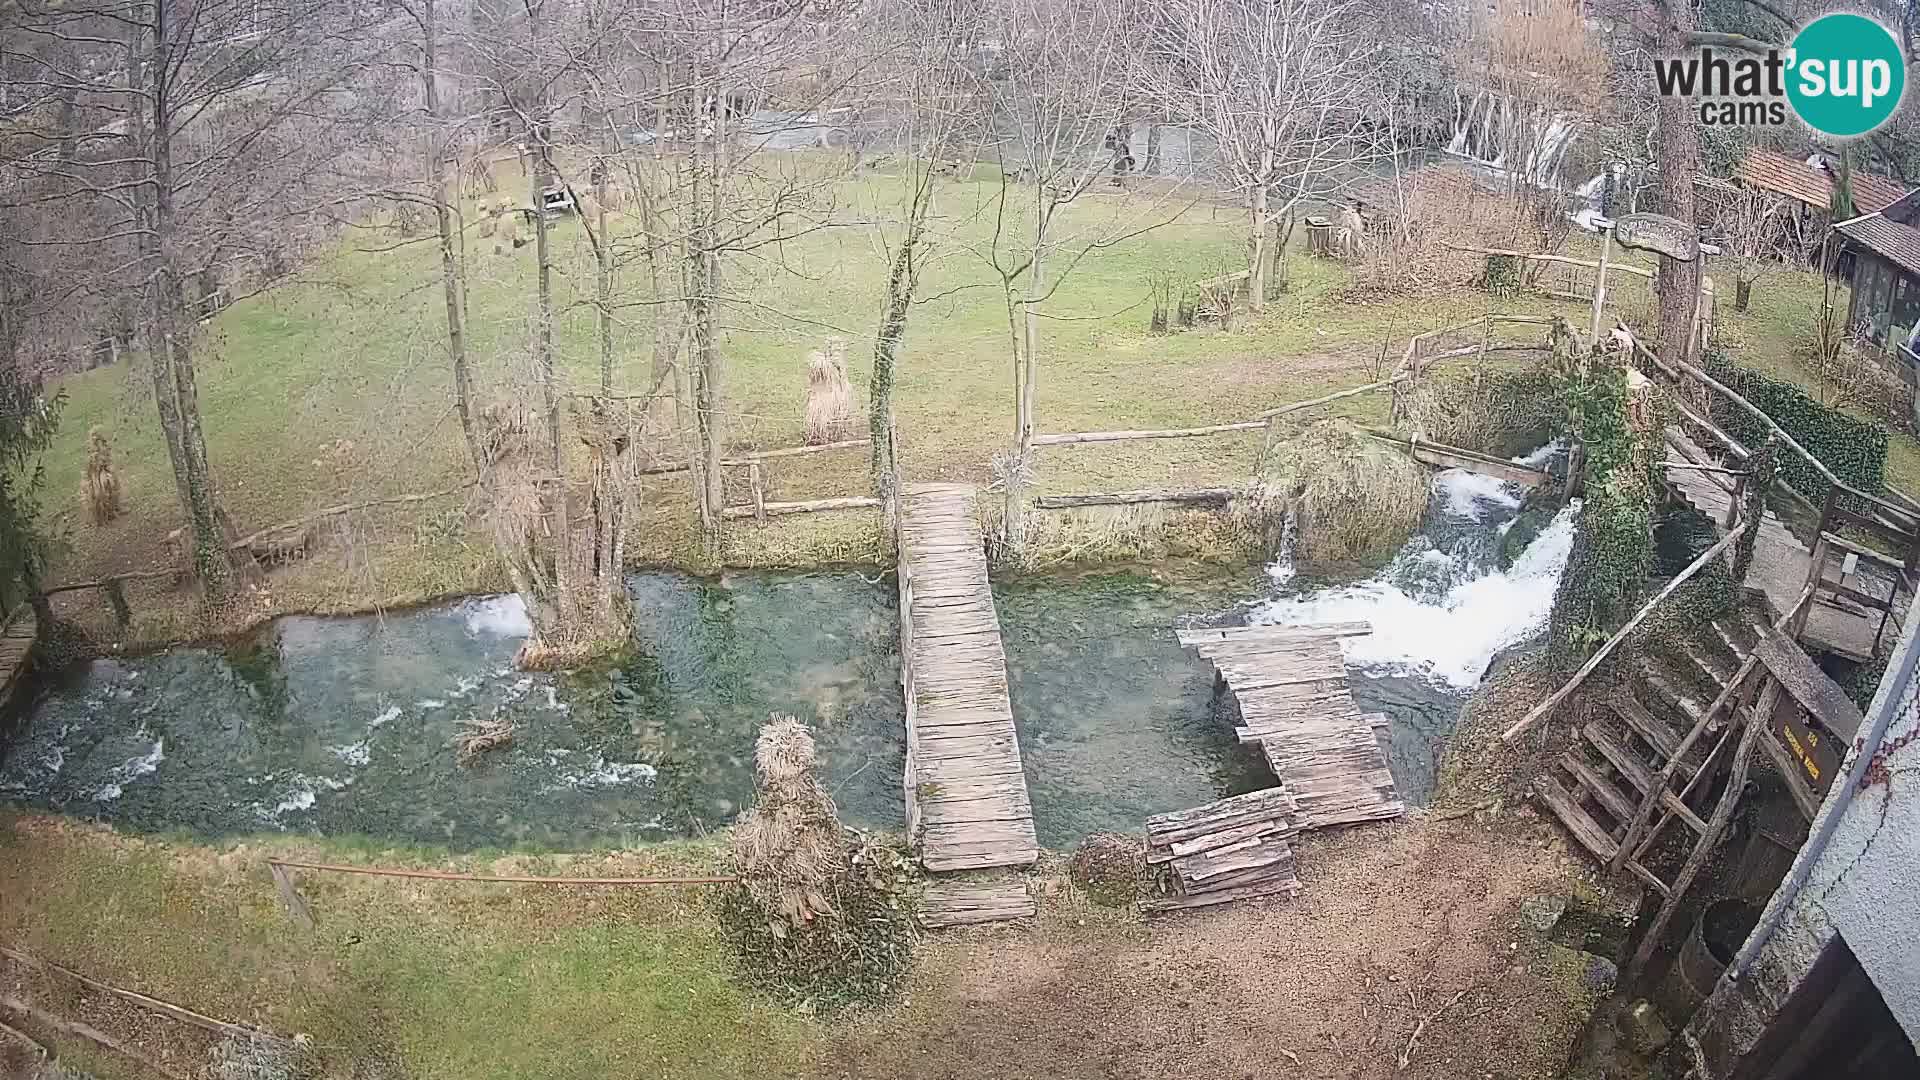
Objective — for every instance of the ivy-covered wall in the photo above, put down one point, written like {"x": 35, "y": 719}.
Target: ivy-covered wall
{"x": 1612, "y": 554}
{"x": 1855, "y": 449}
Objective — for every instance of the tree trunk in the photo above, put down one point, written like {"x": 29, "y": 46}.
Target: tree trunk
{"x": 1678, "y": 286}
{"x": 886, "y": 353}
{"x": 1027, "y": 336}
{"x": 1151, "y": 166}
{"x": 1742, "y": 294}
{"x": 1282, "y": 233}
{"x": 177, "y": 397}
{"x": 1257, "y": 251}
{"x": 703, "y": 376}
{"x": 452, "y": 267}
{"x": 886, "y": 343}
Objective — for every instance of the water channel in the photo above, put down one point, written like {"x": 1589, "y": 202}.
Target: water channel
{"x": 342, "y": 726}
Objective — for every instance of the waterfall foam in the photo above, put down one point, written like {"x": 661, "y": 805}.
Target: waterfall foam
{"x": 1441, "y": 612}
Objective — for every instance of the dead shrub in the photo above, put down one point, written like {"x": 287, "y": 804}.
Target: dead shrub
{"x": 1111, "y": 868}
{"x": 1434, "y": 207}
{"x": 477, "y": 737}
{"x": 1853, "y": 374}
{"x": 1349, "y": 496}
{"x": 821, "y": 915}
{"x": 100, "y": 488}
{"x": 1502, "y": 412}
{"x": 1092, "y": 534}
{"x": 829, "y": 395}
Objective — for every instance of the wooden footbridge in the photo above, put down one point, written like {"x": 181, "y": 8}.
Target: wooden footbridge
{"x": 966, "y": 791}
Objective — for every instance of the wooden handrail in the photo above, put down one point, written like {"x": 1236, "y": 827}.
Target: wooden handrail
{"x": 1542, "y": 709}
{"x": 1791, "y": 443}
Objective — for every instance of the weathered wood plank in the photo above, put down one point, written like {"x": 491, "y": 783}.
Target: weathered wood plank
{"x": 967, "y": 795}
{"x": 1808, "y": 685}
{"x": 962, "y": 902}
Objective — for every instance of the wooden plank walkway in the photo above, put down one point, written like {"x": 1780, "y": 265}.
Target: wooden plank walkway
{"x": 1291, "y": 684}
{"x": 1780, "y": 561}
{"x": 961, "y": 902}
{"x": 16, "y": 645}
{"x": 967, "y": 802}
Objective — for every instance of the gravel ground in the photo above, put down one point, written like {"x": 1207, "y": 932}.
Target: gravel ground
{"x": 1397, "y": 925}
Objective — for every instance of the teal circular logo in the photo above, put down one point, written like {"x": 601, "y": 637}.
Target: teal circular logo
{"x": 1846, "y": 75}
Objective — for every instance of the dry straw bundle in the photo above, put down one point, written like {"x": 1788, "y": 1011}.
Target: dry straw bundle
{"x": 1352, "y": 497}
{"x": 790, "y": 847}
{"x": 101, "y": 487}
{"x": 829, "y": 394}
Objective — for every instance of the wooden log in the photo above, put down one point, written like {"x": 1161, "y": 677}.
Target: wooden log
{"x": 1540, "y": 710}
{"x": 1453, "y": 457}
{"x": 88, "y": 1032}
{"x": 776, "y": 509}
{"x": 165, "y": 1008}
{"x": 1540, "y": 256}
{"x": 1126, "y": 498}
{"x": 1326, "y": 399}
{"x": 1126, "y": 436}
{"x": 745, "y": 460}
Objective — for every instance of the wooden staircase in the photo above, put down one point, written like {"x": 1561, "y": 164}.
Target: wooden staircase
{"x": 1619, "y": 757}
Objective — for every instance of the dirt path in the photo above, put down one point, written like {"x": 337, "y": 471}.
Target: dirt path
{"x": 1395, "y": 923}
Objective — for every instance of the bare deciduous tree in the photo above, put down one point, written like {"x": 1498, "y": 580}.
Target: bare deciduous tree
{"x": 1284, "y": 91}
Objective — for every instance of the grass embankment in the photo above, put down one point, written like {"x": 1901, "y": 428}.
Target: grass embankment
{"x": 400, "y": 978}
{"x": 439, "y": 981}
{"x": 334, "y": 389}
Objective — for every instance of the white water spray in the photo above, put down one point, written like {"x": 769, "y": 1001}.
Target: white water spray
{"x": 1449, "y": 635}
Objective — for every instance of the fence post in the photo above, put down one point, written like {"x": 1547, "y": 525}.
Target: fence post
{"x": 755, "y": 481}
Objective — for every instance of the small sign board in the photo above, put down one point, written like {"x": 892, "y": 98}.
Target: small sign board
{"x": 1657, "y": 232}
{"x": 1814, "y": 751}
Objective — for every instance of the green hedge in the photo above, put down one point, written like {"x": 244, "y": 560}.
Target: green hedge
{"x": 1856, "y": 450}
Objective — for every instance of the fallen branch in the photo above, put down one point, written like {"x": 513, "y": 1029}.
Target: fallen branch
{"x": 773, "y": 509}
{"x": 515, "y": 879}
{"x": 87, "y": 1032}
{"x": 28, "y": 1039}
{"x": 347, "y": 508}
{"x": 1122, "y": 498}
{"x": 154, "y": 1004}
{"x": 1125, "y": 436}
{"x": 1406, "y": 1056}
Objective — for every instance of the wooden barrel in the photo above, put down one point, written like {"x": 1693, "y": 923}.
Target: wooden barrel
{"x": 1710, "y": 946}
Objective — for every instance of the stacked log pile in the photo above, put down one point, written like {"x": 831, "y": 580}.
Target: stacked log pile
{"x": 1233, "y": 849}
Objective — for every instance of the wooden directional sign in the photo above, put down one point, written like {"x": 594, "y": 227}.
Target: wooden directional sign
{"x": 1657, "y": 232}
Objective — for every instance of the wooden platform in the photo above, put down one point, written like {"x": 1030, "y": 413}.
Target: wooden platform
{"x": 967, "y": 803}
{"x": 1233, "y": 849}
{"x": 16, "y": 647}
{"x": 961, "y": 902}
{"x": 1780, "y": 561}
{"x": 1291, "y": 685}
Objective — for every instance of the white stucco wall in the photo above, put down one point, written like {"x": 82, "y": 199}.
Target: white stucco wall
{"x": 1867, "y": 882}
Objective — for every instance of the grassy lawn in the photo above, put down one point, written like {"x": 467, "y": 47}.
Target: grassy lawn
{"x": 454, "y": 981}
{"x": 334, "y": 388}
{"x": 443, "y": 981}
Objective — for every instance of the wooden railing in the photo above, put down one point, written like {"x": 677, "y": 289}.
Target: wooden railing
{"x": 1415, "y": 362}
{"x": 1698, "y": 564}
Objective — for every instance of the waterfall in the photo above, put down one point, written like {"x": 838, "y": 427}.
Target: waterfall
{"x": 1484, "y": 130}
{"x": 1444, "y": 608}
